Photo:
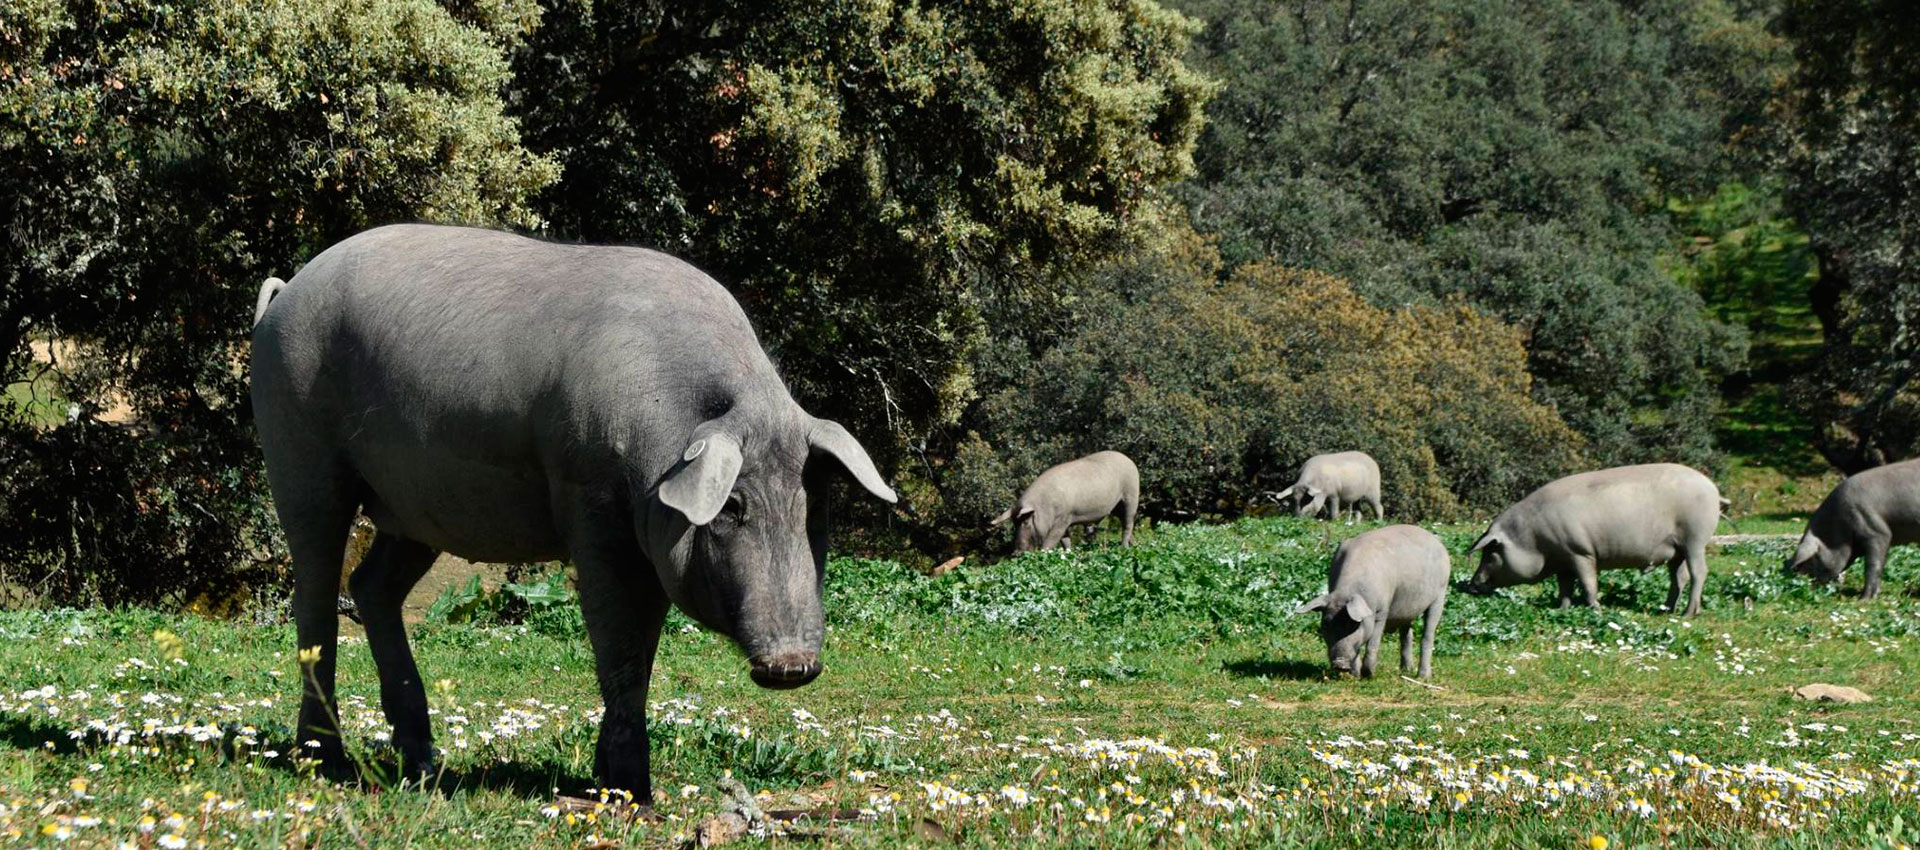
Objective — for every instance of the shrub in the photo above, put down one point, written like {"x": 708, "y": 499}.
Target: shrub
{"x": 1513, "y": 152}
{"x": 865, "y": 176}
{"x": 157, "y": 162}
{"x": 1219, "y": 391}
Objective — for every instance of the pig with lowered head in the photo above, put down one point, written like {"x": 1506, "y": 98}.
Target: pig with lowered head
{"x": 1384, "y": 579}
{"x": 509, "y": 399}
{"x": 1627, "y": 516}
{"x": 1085, "y": 490}
{"x": 1869, "y": 513}
{"x": 1339, "y": 480}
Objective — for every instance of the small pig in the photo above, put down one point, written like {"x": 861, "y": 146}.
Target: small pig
{"x": 1627, "y": 516}
{"x": 1863, "y": 517}
{"x": 1079, "y": 491}
{"x": 1383, "y": 579}
{"x": 1344, "y": 478}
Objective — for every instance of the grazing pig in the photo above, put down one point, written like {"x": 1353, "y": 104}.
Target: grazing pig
{"x": 1866, "y": 515}
{"x": 1078, "y": 491}
{"x": 508, "y": 399}
{"x": 1344, "y": 479}
{"x": 1383, "y": 579}
{"x": 1628, "y": 516}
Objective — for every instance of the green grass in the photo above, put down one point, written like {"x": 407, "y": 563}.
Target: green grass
{"x": 1158, "y": 696}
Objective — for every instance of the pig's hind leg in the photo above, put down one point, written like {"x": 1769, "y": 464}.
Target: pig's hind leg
{"x": 1677, "y": 572}
{"x": 392, "y": 566}
{"x": 1696, "y": 576}
{"x": 1430, "y": 628}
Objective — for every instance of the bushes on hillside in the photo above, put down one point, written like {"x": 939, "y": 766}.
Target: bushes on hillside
{"x": 1511, "y": 152}
{"x": 1219, "y": 390}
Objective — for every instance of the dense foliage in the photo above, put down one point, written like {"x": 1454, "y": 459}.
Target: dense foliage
{"x": 988, "y": 236}
{"x": 1220, "y": 390}
{"x": 865, "y": 174}
{"x": 1850, "y": 127}
{"x": 1516, "y": 152}
{"x": 157, "y": 162}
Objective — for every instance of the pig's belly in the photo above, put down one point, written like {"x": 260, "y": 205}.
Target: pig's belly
{"x": 478, "y": 511}
{"x": 1632, "y": 553}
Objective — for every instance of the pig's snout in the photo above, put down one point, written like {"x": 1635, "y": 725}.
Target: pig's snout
{"x": 1477, "y": 586}
{"x": 784, "y": 670}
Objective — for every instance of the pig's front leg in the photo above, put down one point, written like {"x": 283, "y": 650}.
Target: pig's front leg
{"x": 1374, "y": 631}
{"x": 1588, "y": 573}
{"x": 1565, "y": 584}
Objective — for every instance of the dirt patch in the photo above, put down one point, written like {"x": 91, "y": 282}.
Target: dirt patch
{"x": 1733, "y": 539}
{"x": 447, "y": 572}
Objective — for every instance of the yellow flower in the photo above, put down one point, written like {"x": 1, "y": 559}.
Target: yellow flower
{"x": 170, "y": 644}
{"x": 1597, "y": 842}
{"x": 309, "y": 655}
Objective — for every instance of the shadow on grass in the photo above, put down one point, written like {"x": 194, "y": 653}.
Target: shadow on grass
{"x": 1267, "y": 668}
{"x": 23, "y": 733}
{"x": 376, "y": 767}
{"x": 381, "y": 768}
{"x": 532, "y": 781}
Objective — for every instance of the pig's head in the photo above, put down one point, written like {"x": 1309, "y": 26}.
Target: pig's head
{"x": 1819, "y": 561}
{"x": 1026, "y": 529}
{"x": 1503, "y": 564}
{"x": 1345, "y": 622}
{"x": 746, "y": 514}
{"x": 1307, "y": 500}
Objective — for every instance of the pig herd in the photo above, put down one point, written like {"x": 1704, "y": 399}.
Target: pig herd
{"x": 504, "y": 398}
{"x": 1628, "y": 517}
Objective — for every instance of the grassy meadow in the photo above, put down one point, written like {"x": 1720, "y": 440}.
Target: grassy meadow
{"x": 1148, "y": 697}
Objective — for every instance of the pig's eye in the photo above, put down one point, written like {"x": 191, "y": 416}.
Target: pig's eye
{"x": 734, "y": 511}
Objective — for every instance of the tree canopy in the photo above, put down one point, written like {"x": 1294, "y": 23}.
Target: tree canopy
{"x": 1514, "y": 152}
{"x": 1849, "y": 136}
{"x": 157, "y": 162}
{"x": 864, "y": 175}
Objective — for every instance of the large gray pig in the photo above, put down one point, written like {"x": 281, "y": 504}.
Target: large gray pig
{"x": 1866, "y": 515}
{"x": 1344, "y": 479}
{"x": 1085, "y": 490}
{"x": 1628, "y": 516}
{"x": 1384, "y": 579}
{"x": 509, "y": 399}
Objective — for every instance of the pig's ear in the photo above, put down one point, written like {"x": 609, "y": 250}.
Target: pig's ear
{"x": 828, "y": 437}
{"x": 1359, "y": 610}
{"x": 698, "y": 487}
{"x": 1487, "y": 541}
{"x": 1313, "y": 604}
{"x": 1003, "y": 517}
{"x": 1016, "y": 514}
